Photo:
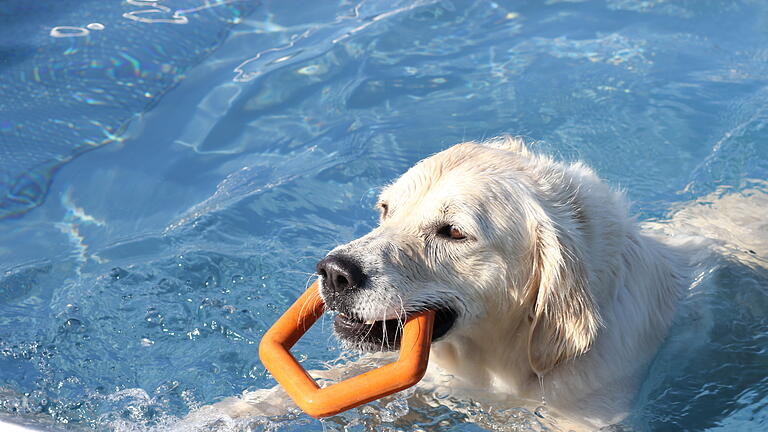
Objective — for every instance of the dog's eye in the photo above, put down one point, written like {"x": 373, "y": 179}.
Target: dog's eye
{"x": 384, "y": 209}
{"x": 451, "y": 232}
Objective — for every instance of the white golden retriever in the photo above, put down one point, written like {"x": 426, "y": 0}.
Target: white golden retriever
{"x": 544, "y": 285}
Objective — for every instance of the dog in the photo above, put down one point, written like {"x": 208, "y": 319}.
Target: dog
{"x": 544, "y": 287}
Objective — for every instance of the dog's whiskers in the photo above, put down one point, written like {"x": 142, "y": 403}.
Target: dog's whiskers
{"x": 368, "y": 332}
{"x": 384, "y": 330}
{"x": 402, "y": 316}
{"x": 307, "y": 283}
{"x": 301, "y": 311}
{"x": 314, "y": 298}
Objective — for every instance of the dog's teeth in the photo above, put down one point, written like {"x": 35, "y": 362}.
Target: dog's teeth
{"x": 370, "y": 322}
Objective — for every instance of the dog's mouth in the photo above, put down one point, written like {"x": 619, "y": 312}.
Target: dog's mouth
{"x": 385, "y": 335}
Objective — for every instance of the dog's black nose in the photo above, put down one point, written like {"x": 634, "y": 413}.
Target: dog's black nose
{"x": 340, "y": 274}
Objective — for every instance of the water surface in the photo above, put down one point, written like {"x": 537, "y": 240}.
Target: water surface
{"x": 170, "y": 176}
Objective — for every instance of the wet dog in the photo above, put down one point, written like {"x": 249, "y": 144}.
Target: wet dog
{"x": 544, "y": 286}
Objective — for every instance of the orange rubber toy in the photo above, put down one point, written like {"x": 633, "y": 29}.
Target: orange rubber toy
{"x": 377, "y": 383}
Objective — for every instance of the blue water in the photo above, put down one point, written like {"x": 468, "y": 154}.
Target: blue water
{"x": 171, "y": 171}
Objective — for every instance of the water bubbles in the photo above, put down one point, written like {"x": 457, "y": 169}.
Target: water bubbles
{"x": 73, "y": 323}
{"x": 154, "y": 317}
{"x": 117, "y": 273}
{"x": 71, "y": 31}
{"x": 156, "y": 13}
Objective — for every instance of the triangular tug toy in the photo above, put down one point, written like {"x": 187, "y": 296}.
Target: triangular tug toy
{"x": 377, "y": 383}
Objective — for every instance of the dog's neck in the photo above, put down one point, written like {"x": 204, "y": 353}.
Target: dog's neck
{"x": 492, "y": 356}
{"x": 481, "y": 362}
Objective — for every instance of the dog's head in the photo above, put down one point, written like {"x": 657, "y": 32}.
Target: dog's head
{"x": 471, "y": 233}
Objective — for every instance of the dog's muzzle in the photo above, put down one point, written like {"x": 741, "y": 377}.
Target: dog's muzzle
{"x": 341, "y": 278}
{"x": 342, "y": 282}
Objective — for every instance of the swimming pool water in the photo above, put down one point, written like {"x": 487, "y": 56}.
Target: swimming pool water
{"x": 171, "y": 171}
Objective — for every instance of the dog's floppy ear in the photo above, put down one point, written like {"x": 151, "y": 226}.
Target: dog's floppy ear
{"x": 510, "y": 143}
{"x": 564, "y": 318}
